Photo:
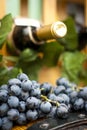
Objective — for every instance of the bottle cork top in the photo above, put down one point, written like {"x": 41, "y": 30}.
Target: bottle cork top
{"x": 58, "y": 29}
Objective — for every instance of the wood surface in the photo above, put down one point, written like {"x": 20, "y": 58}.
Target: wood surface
{"x": 49, "y": 11}
{"x": 2, "y": 8}
{"x": 24, "y": 8}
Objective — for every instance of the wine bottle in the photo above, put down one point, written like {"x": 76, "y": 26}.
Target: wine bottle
{"x": 29, "y": 33}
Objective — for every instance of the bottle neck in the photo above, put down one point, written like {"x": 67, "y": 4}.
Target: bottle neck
{"x": 30, "y": 34}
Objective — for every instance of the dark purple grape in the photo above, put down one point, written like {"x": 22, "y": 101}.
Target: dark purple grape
{"x": 3, "y": 109}
{"x": 22, "y": 76}
{"x": 59, "y": 89}
{"x": 45, "y": 107}
{"x": 45, "y": 88}
{"x": 32, "y": 114}
{"x": 62, "y": 111}
{"x": 26, "y": 85}
{"x": 13, "y": 101}
{"x": 83, "y": 93}
{"x": 32, "y": 103}
{"x": 78, "y": 104}
{"x": 6, "y": 124}
{"x": 21, "y": 119}
{"x": 13, "y": 114}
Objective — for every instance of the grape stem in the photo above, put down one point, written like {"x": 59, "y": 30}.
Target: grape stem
{"x": 54, "y": 102}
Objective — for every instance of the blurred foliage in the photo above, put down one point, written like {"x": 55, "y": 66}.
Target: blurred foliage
{"x": 70, "y": 40}
{"x": 31, "y": 61}
{"x": 5, "y": 27}
{"x": 72, "y": 66}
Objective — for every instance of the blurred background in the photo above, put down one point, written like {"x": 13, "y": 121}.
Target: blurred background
{"x": 46, "y": 11}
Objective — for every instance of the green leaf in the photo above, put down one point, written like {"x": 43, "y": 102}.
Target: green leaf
{"x": 30, "y": 63}
{"x": 7, "y": 73}
{"x": 72, "y": 64}
{"x": 70, "y": 41}
{"x": 2, "y": 40}
{"x": 51, "y": 52}
{"x": 5, "y": 28}
{"x": 28, "y": 55}
{"x": 30, "y": 68}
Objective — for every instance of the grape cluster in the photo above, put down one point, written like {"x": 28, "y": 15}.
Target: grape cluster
{"x": 23, "y": 100}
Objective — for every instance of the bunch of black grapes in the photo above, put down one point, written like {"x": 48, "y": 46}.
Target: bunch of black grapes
{"x": 23, "y": 100}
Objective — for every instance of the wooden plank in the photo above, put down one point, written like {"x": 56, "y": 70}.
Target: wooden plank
{"x": 85, "y": 6}
{"x": 61, "y": 9}
{"x": 24, "y": 8}
{"x": 2, "y": 8}
{"x": 75, "y": 1}
{"x": 49, "y": 11}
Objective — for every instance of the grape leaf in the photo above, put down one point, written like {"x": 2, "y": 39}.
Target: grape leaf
{"x": 51, "y": 52}
{"x": 29, "y": 62}
{"x": 5, "y": 28}
{"x": 28, "y": 55}
{"x": 31, "y": 68}
{"x": 6, "y": 74}
{"x": 72, "y": 64}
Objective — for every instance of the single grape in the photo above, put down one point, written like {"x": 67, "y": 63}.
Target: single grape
{"x": 13, "y": 101}
{"x": 24, "y": 95}
{"x": 32, "y": 103}
{"x": 26, "y": 85}
{"x": 3, "y": 109}
{"x": 6, "y": 124}
{"x": 83, "y": 93}
{"x": 22, "y": 76}
{"x": 78, "y": 104}
{"x": 4, "y": 86}
{"x": 45, "y": 88}
{"x": 45, "y": 107}
{"x": 59, "y": 89}
{"x": 73, "y": 96}
{"x": 3, "y": 95}
{"x": 62, "y": 81}
{"x": 65, "y": 97}
{"x": 35, "y": 92}
{"x": 21, "y": 119}
{"x": 32, "y": 115}
{"x": 13, "y": 114}
{"x": 22, "y": 106}
{"x": 15, "y": 90}
{"x": 62, "y": 111}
